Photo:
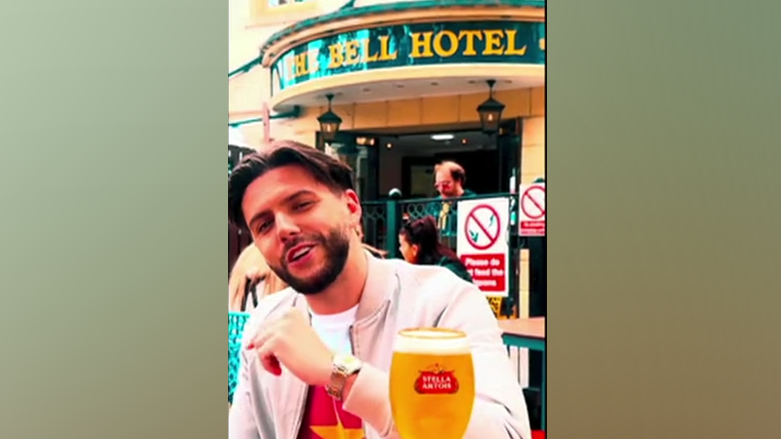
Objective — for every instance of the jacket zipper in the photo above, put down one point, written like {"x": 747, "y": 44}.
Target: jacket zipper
{"x": 352, "y": 343}
{"x": 302, "y": 401}
{"x": 355, "y": 353}
{"x": 301, "y": 409}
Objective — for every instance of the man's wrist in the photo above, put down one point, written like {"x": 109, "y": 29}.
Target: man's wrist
{"x": 327, "y": 372}
{"x": 348, "y": 385}
{"x": 345, "y": 367}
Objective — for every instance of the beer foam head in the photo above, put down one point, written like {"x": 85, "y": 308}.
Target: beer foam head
{"x": 437, "y": 341}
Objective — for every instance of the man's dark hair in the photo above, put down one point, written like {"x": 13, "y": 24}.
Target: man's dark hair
{"x": 325, "y": 169}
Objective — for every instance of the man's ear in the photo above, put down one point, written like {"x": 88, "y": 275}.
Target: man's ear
{"x": 354, "y": 206}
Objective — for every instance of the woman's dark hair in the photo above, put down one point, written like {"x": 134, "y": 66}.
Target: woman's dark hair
{"x": 423, "y": 233}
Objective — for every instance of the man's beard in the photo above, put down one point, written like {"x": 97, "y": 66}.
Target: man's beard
{"x": 336, "y": 246}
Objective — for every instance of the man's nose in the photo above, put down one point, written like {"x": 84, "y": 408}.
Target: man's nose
{"x": 286, "y": 227}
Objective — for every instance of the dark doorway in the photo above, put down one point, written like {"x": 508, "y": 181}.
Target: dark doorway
{"x": 359, "y": 152}
{"x": 418, "y": 154}
{"x": 481, "y": 169}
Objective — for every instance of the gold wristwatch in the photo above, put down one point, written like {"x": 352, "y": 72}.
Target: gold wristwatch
{"x": 344, "y": 367}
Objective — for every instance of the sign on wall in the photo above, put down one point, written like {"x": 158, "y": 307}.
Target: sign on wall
{"x": 483, "y": 227}
{"x": 531, "y": 210}
{"x": 420, "y": 44}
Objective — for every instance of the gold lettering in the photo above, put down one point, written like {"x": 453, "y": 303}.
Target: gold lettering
{"x": 367, "y": 57}
{"x": 542, "y": 43}
{"x": 337, "y": 56}
{"x": 440, "y": 50}
{"x": 314, "y": 65}
{"x": 493, "y": 42}
{"x": 352, "y": 56}
{"x": 511, "y": 50}
{"x": 421, "y": 48}
{"x": 470, "y": 41}
{"x": 301, "y": 67}
{"x": 385, "y": 54}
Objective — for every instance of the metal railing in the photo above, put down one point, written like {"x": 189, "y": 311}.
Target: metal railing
{"x": 382, "y": 221}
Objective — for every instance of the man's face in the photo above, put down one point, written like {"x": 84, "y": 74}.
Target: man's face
{"x": 301, "y": 227}
{"x": 445, "y": 184}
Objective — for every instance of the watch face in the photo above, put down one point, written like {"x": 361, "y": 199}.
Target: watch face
{"x": 349, "y": 362}
{"x": 344, "y": 366}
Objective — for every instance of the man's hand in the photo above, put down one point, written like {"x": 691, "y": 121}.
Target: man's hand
{"x": 292, "y": 343}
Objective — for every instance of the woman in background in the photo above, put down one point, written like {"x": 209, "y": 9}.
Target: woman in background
{"x": 419, "y": 244}
{"x": 250, "y": 280}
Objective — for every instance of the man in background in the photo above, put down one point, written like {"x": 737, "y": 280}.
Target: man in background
{"x": 449, "y": 180}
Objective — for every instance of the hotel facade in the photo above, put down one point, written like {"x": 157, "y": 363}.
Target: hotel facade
{"x": 405, "y": 80}
{"x": 393, "y": 87}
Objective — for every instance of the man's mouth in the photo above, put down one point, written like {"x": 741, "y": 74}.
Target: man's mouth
{"x": 298, "y": 252}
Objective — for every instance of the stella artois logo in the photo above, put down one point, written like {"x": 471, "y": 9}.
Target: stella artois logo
{"x": 435, "y": 380}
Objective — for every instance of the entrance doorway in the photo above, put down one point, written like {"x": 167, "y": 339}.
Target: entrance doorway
{"x": 408, "y": 161}
{"x": 405, "y": 159}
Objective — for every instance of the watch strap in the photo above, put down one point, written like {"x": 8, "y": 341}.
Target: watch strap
{"x": 344, "y": 366}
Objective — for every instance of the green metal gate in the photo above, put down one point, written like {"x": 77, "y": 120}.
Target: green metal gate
{"x": 382, "y": 221}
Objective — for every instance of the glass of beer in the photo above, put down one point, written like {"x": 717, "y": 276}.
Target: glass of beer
{"x": 432, "y": 383}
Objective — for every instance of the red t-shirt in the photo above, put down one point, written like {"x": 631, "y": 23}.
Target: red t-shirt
{"x": 324, "y": 418}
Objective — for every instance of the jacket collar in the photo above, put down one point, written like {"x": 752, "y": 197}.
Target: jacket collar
{"x": 381, "y": 281}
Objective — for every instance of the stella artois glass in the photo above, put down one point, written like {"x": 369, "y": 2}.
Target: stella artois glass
{"x": 432, "y": 383}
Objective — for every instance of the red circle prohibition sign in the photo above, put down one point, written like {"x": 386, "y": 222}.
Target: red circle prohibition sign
{"x": 528, "y": 196}
{"x": 492, "y": 239}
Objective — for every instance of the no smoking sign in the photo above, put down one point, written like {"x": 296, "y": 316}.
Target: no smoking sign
{"x": 532, "y": 210}
{"x": 482, "y": 243}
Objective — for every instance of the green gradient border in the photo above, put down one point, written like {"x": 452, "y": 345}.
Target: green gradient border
{"x": 662, "y": 299}
{"x": 661, "y": 313}
{"x": 112, "y": 242}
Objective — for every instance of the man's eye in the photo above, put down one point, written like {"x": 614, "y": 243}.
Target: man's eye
{"x": 303, "y": 205}
{"x": 264, "y": 226}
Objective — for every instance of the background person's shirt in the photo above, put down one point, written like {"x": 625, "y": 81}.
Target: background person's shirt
{"x": 444, "y": 212}
{"x": 456, "y": 267}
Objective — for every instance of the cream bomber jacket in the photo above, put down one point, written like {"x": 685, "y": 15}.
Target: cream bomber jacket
{"x": 397, "y": 295}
